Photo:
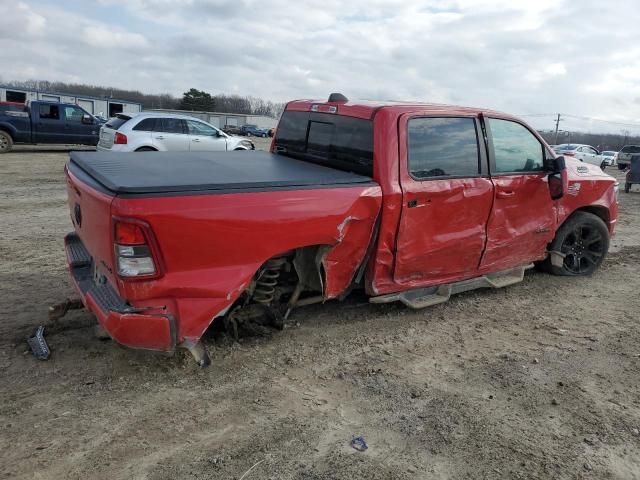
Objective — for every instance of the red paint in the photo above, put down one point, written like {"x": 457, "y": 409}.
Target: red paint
{"x": 210, "y": 246}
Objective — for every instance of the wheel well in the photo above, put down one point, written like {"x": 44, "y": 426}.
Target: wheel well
{"x": 6, "y": 130}
{"x": 146, "y": 148}
{"x": 598, "y": 211}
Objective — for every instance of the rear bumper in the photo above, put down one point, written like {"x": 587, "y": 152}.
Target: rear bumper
{"x": 124, "y": 323}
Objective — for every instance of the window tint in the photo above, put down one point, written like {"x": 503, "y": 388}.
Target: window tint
{"x": 49, "y": 111}
{"x": 172, "y": 125}
{"x": 516, "y": 149}
{"x": 442, "y": 147}
{"x": 73, "y": 114}
{"x": 146, "y": 125}
{"x": 631, "y": 149}
{"x": 199, "y": 128}
{"x": 341, "y": 142}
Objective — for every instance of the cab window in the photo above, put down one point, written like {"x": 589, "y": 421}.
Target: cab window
{"x": 442, "y": 147}
{"x": 73, "y": 114}
{"x": 49, "y": 111}
{"x": 516, "y": 149}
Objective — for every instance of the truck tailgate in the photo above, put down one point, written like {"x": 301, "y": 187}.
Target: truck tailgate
{"x": 90, "y": 211}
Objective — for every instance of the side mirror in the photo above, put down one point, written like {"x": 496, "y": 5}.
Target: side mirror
{"x": 556, "y": 186}
{"x": 555, "y": 165}
{"x": 87, "y": 119}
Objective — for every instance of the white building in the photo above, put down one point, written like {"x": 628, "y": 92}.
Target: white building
{"x": 106, "y": 107}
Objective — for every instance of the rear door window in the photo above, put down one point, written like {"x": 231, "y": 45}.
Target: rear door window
{"x": 442, "y": 147}
{"x": 173, "y": 125}
{"x": 51, "y": 112}
{"x": 516, "y": 149}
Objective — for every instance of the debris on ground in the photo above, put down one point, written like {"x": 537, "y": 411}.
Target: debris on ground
{"x": 359, "y": 444}
{"x": 38, "y": 345}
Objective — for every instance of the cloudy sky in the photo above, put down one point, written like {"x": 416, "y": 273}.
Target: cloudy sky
{"x": 525, "y": 57}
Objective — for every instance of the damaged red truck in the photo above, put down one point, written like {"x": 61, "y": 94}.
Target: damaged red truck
{"x": 410, "y": 202}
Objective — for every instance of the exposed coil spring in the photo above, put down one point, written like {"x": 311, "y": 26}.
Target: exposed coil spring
{"x": 267, "y": 281}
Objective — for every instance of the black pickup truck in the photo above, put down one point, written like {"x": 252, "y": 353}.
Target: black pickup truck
{"x": 47, "y": 122}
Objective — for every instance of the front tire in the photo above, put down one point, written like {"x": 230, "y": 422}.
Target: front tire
{"x": 6, "y": 142}
{"x": 583, "y": 240}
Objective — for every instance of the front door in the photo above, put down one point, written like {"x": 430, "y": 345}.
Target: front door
{"x": 204, "y": 138}
{"x": 523, "y": 218}
{"x": 171, "y": 135}
{"x": 75, "y": 130}
{"x": 447, "y": 199}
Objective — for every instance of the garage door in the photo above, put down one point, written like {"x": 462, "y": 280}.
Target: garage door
{"x": 86, "y": 104}
{"x": 50, "y": 98}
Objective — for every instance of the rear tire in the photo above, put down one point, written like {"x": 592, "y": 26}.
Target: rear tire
{"x": 627, "y": 187}
{"x": 146, "y": 149}
{"x": 584, "y": 240}
{"x": 6, "y": 142}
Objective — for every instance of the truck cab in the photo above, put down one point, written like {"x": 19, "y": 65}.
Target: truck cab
{"x": 47, "y": 122}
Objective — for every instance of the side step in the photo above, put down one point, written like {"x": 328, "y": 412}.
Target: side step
{"x": 426, "y": 297}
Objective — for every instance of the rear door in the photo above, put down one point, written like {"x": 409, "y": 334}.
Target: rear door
{"x": 204, "y": 138}
{"x": 47, "y": 123}
{"x": 447, "y": 198}
{"x": 172, "y": 135}
{"x": 523, "y": 218}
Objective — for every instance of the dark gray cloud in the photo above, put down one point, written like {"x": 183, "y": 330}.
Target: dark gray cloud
{"x": 519, "y": 56}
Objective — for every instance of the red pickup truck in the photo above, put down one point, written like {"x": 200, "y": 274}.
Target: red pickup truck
{"x": 411, "y": 202}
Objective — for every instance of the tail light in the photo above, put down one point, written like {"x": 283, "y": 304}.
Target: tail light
{"x": 120, "y": 139}
{"x": 133, "y": 249}
{"x": 569, "y": 154}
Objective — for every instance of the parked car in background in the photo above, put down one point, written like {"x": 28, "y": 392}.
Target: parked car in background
{"x": 47, "y": 122}
{"x": 609, "y": 157}
{"x": 625, "y": 154}
{"x": 250, "y": 130}
{"x": 233, "y": 130}
{"x": 140, "y": 132}
{"x": 352, "y": 195}
{"x": 584, "y": 153}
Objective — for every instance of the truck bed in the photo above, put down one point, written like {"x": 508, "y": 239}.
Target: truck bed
{"x": 158, "y": 173}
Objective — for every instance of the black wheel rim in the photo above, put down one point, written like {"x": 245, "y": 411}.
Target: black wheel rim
{"x": 583, "y": 248}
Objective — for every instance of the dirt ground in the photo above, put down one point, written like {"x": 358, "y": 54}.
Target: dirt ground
{"x": 538, "y": 380}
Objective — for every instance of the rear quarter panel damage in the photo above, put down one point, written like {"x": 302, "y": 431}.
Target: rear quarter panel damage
{"x": 212, "y": 245}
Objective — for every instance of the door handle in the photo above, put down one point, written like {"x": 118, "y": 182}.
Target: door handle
{"x": 160, "y": 137}
{"x": 195, "y": 140}
{"x": 505, "y": 193}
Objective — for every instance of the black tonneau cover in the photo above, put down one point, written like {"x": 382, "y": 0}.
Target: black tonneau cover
{"x": 183, "y": 172}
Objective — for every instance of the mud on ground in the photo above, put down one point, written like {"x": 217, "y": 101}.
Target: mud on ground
{"x": 538, "y": 380}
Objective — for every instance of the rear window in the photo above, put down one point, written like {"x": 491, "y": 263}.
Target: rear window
{"x": 340, "y": 142}
{"x": 630, "y": 149}
{"x": 117, "y": 121}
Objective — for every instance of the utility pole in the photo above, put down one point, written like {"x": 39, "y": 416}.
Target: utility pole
{"x": 557, "y": 125}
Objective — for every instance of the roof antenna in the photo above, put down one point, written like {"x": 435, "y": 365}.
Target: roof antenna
{"x": 338, "y": 97}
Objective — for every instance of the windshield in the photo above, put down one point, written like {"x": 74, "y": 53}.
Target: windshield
{"x": 340, "y": 142}
{"x": 608, "y": 154}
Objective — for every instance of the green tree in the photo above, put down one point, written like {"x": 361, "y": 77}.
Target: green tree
{"x": 198, "y": 100}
